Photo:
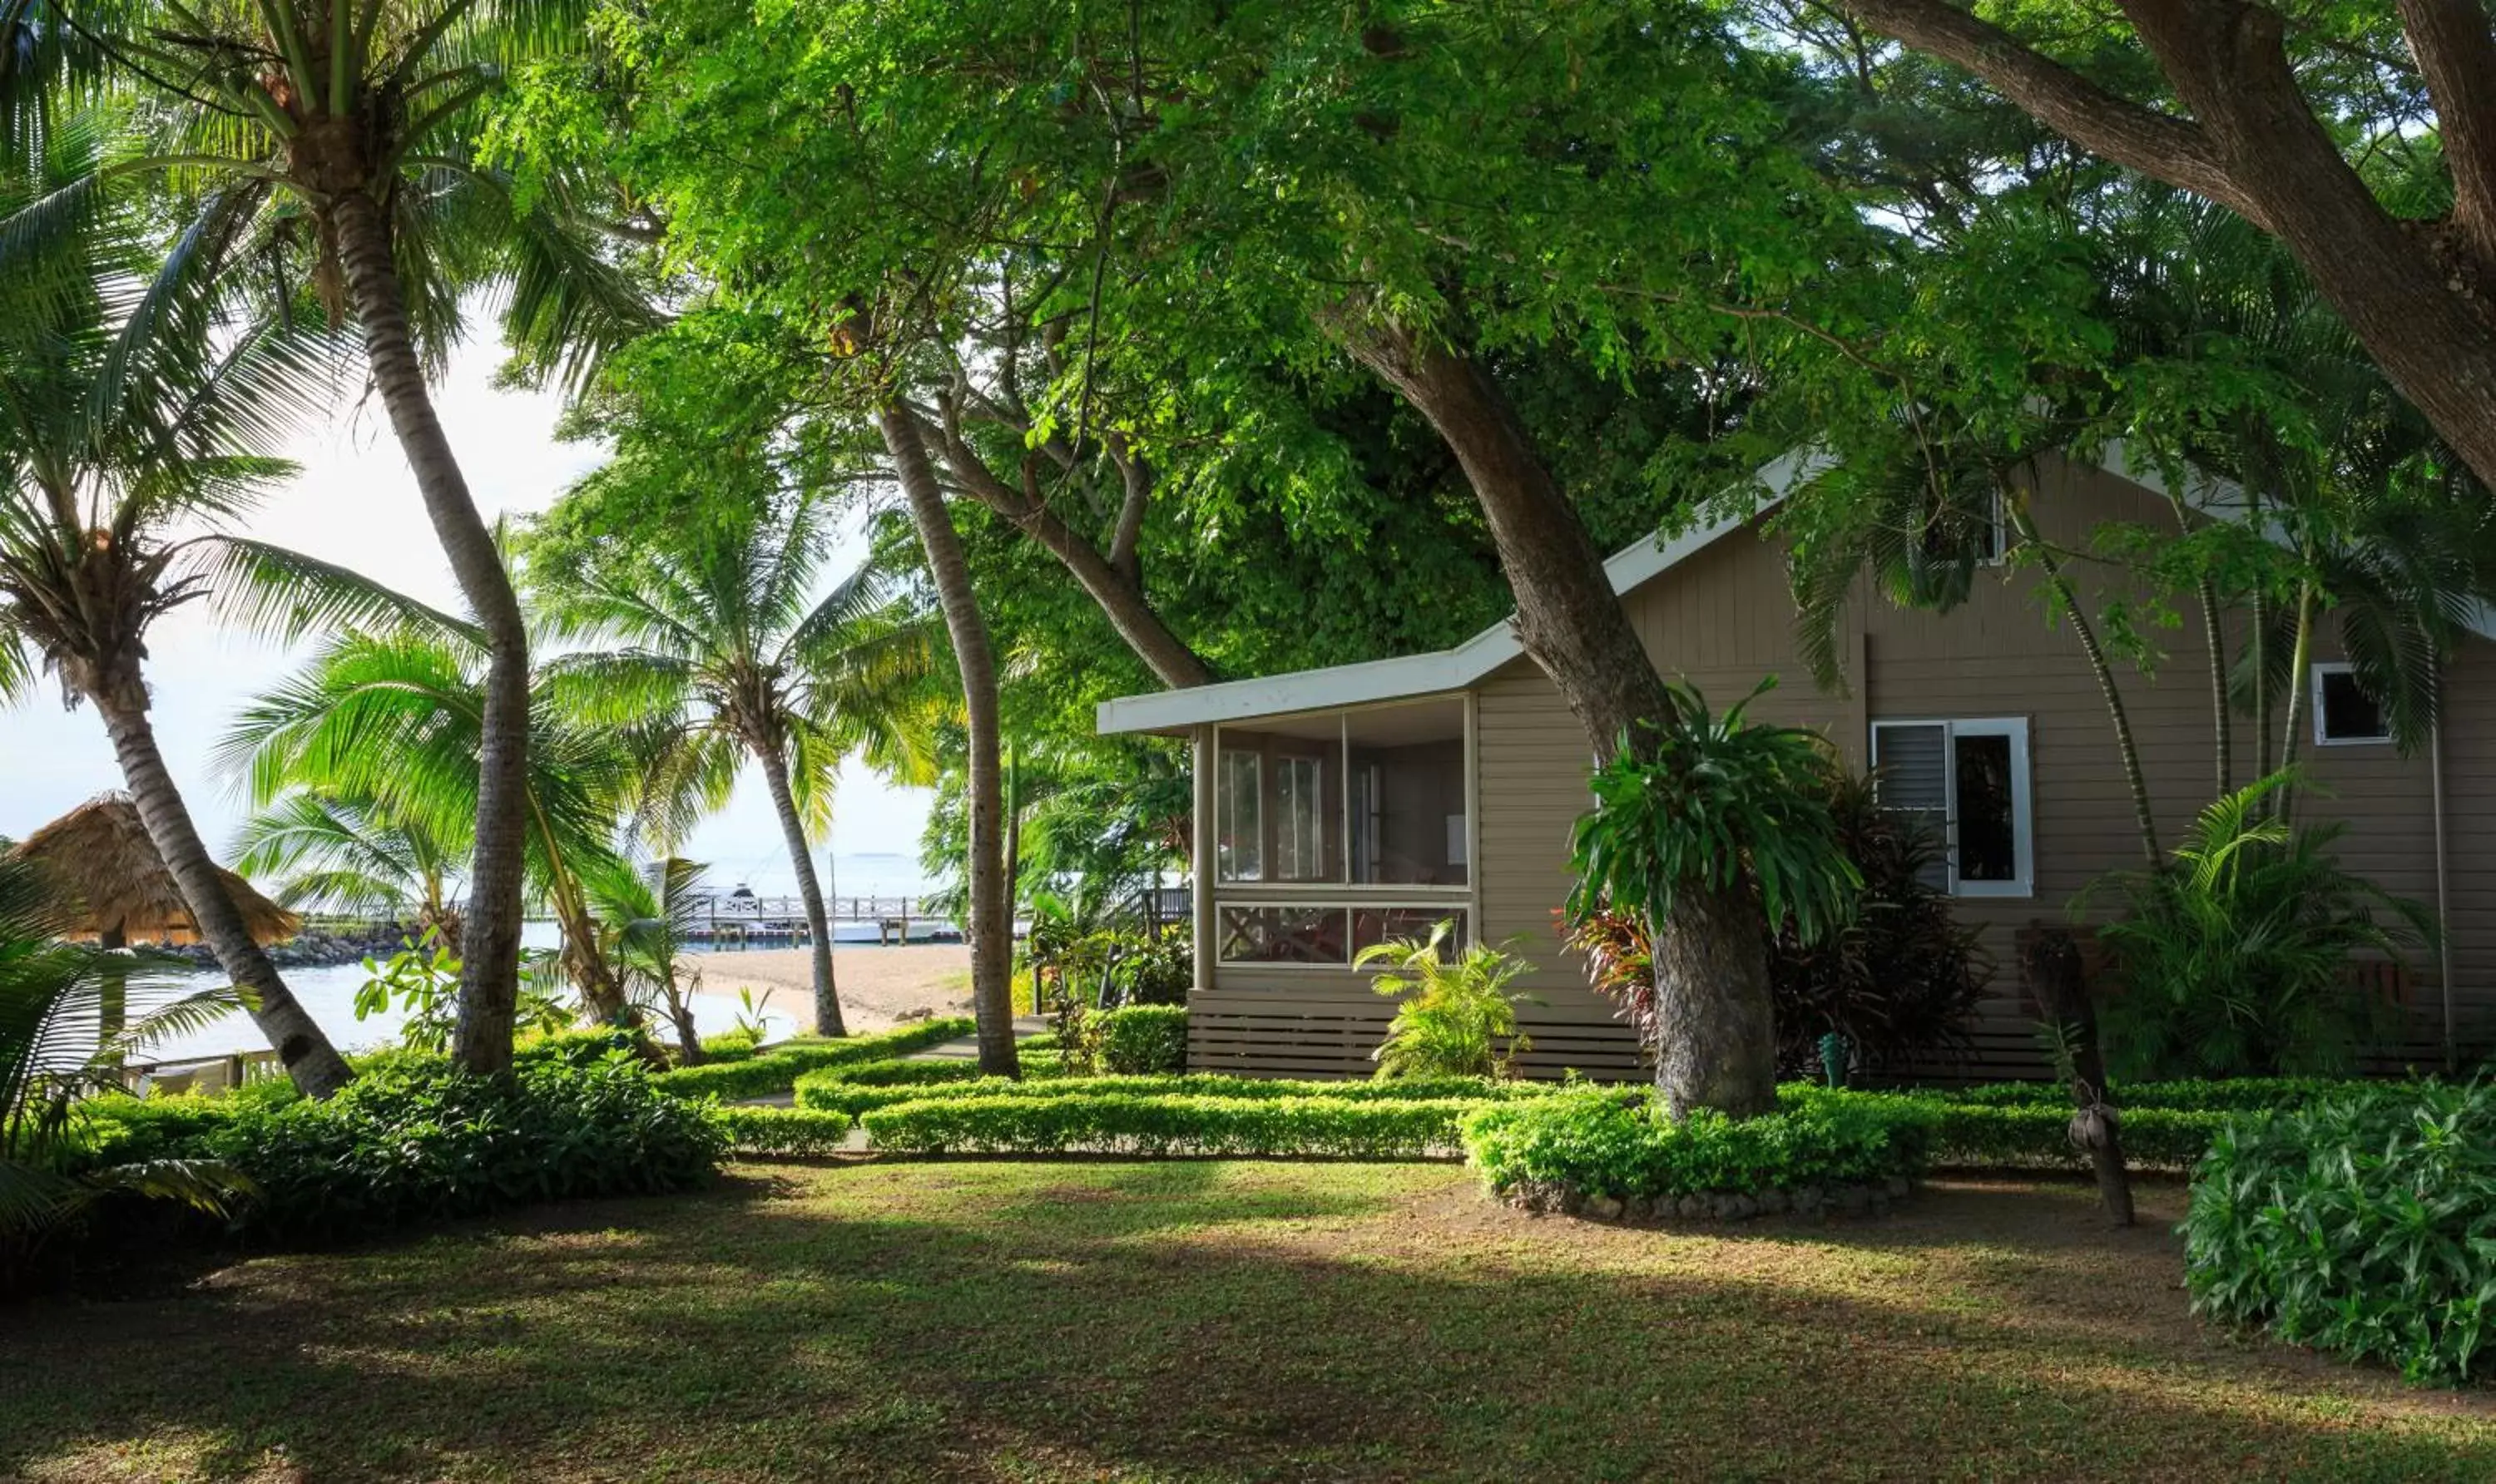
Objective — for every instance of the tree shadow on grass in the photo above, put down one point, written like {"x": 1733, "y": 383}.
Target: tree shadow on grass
{"x": 1195, "y": 1321}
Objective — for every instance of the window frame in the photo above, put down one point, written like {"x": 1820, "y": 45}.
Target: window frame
{"x": 2322, "y": 737}
{"x": 1346, "y": 896}
{"x": 2023, "y": 810}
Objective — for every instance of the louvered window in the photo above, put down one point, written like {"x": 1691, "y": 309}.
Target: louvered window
{"x": 1966, "y": 783}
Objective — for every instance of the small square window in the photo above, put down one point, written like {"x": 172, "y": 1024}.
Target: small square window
{"x": 2343, "y": 712}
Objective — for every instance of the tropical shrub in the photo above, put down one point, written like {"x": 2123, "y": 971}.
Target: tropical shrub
{"x": 1456, "y": 1018}
{"x": 1707, "y": 828}
{"x": 1139, "y": 1040}
{"x": 1622, "y": 1145}
{"x": 2358, "y": 1225}
{"x": 2235, "y": 958}
{"x": 408, "y": 1145}
{"x": 777, "y": 1070}
{"x": 1163, "y": 1125}
{"x": 1898, "y": 978}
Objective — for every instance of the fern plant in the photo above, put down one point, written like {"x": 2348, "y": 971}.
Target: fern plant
{"x": 2236, "y": 956}
{"x": 1457, "y": 1018}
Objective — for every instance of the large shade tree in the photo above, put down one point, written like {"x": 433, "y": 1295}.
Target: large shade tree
{"x": 347, "y": 135}
{"x": 2362, "y": 138}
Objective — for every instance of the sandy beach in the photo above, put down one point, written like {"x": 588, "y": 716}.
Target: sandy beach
{"x": 877, "y": 985}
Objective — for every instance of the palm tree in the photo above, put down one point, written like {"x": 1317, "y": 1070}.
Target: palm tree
{"x": 646, "y": 918}
{"x": 398, "y": 719}
{"x": 351, "y": 855}
{"x": 136, "y": 407}
{"x": 345, "y": 137}
{"x": 718, "y": 645}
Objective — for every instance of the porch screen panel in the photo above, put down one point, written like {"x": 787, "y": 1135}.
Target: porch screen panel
{"x": 1408, "y": 815}
{"x": 1240, "y": 853}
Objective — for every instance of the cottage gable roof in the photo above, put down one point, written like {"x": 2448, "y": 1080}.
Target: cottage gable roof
{"x": 1469, "y": 663}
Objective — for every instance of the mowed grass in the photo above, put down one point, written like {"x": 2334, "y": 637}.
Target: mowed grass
{"x": 1213, "y": 1321}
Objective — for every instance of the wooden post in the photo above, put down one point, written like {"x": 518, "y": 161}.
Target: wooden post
{"x": 2051, "y": 961}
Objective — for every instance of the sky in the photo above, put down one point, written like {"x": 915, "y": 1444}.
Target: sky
{"x": 356, "y": 504}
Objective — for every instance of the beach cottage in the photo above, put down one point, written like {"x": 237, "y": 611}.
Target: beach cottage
{"x": 1337, "y": 808}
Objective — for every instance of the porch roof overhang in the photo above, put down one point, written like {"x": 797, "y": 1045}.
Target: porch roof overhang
{"x": 1413, "y": 676}
{"x": 1441, "y": 670}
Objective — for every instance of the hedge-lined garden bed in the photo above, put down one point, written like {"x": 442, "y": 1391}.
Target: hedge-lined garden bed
{"x": 1613, "y": 1155}
{"x": 778, "y": 1069}
{"x": 1166, "y": 1123}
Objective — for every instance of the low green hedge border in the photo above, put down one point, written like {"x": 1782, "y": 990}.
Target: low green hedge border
{"x": 2363, "y": 1225}
{"x": 1615, "y": 1144}
{"x": 1167, "y": 1124}
{"x": 837, "y": 1090}
{"x": 784, "y": 1132}
{"x": 777, "y": 1070}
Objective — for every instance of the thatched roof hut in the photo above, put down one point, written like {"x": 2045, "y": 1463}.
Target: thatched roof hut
{"x": 98, "y": 861}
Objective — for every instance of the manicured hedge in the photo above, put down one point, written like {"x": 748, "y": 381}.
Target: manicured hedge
{"x": 1616, "y": 1144}
{"x": 2362, "y": 1224}
{"x": 575, "y": 1047}
{"x": 1165, "y": 1123}
{"x": 838, "y": 1090}
{"x": 777, "y": 1070}
{"x": 2231, "y": 1096}
{"x": 802, "y": 1132}
{"x": 2038, "y": 1135}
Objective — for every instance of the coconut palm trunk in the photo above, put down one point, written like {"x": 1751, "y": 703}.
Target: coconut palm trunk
{"x": 302, "y": 1046}
{"x": 991, "y": 924}
{"x": 810, "y": 891}
{"x": 490, "y": 944}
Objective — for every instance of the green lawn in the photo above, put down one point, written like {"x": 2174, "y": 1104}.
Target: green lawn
{"x": 1202, "y": 1322}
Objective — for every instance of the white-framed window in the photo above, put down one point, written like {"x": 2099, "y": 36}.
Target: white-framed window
{"x": 1239, "y": 845}
{"x": 1968, "y": 780}
{"x": 2343, "y": 714}
{"x": 1993, "y": 542}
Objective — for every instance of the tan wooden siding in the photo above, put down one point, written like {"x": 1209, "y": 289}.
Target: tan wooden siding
{"x": 1724, "y": 618}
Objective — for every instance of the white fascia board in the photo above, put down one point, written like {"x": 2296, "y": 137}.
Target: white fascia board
{"x": 1447, "y": 670}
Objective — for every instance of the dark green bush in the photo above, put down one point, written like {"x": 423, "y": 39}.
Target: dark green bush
{"x": 839, "y": 1091}
{"x": 777, "y": 1070}
{"x": 578, "y": 1048}
{"x": 1611, "y": 1142}
{"x": 1139, "y": 1040}
{"x": 2363, "y": 1225}
{"x": 1140, "y": 1124}
{"x": 399, "y": 1146}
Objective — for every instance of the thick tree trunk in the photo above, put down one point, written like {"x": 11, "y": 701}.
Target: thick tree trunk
{"x": 1717, "y": 1016}
{"x": 991, "y": 924}
{"x": 802, "y": 859}
{"x": 489, "y": 975}
{"x": 302, "y": 1046}
{"x": 1568, "y": 618}
{"x": 2051, "y": 964}
{"x": 1719, "y": 1040}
